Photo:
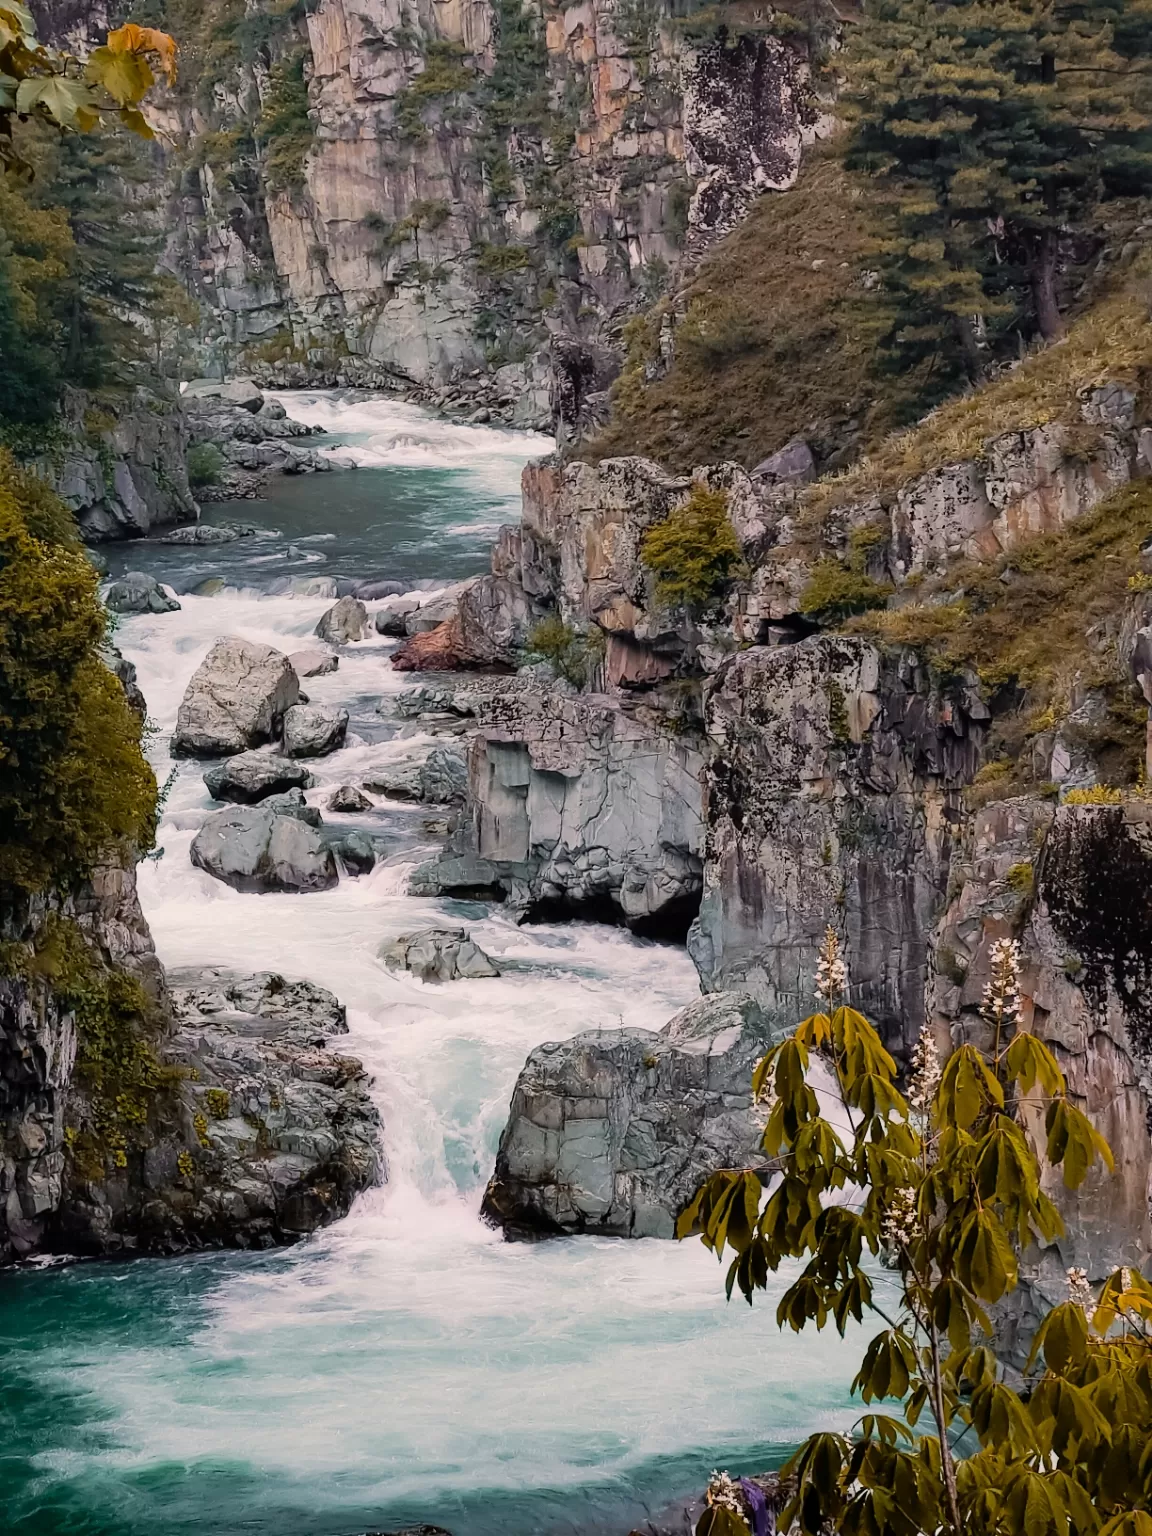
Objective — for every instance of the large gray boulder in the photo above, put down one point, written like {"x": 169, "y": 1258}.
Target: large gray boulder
{"x": 612, "y": 1132}
{"x": 293, "y": 803}
{"x": 437, "y": 954}
{"x": 253, "y": 776}
{"x": 346, "y": 621}
{"x": 256, "y": 849}
{"x": 311, "y": 730}
{"x": 137, "y": 592}
{"x": 283, "y": 1131}
{"x": 236, "y": 699}
{"x": 436, "y": 775}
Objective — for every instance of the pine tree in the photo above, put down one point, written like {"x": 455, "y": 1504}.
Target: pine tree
{"x": 998, "y": 128}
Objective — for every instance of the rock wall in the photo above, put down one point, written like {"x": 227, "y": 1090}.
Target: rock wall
{"x": 579, "y": 806}
{"x": 464, "y": 183}
{"x": 122, "y": 471}
{"x": 254, "y": 1133}
{"x": 832, "y": 795}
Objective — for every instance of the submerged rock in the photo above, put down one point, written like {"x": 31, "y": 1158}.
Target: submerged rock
{"x": 138, "y": 592}
{"x": 236, "y": 699}
{"x": 254, "y": 848}
{"x": 208, "y": 533}
{"x": 253, "y": 776}
{"x": 313, "y": 730}
{"x": 344, "y": 622}
{"x": 313, "y": 663}
{"x": 437, "y": 954}
{"x": 348, "y": 798}
{"x": 613, "y": 1132}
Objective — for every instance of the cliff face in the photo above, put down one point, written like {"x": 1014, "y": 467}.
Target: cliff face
{"x": 139, "y": 1116}
{"x": 855, "y": 781}
{"x": 367, "y": 191}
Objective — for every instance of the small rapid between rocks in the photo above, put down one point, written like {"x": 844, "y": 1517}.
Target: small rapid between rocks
{"x": 406, "y": 1364}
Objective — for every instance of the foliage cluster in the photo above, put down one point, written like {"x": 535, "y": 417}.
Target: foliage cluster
{"x": 942, "y": 1184}
{"x": 74, "y": 784}
{"x": 1031, "y": 624}
{"x": 205, "y": 464}
{"x": 53, "y": 87}
{"x": 996, "y": 129}
{"x": 284, "y": 126}
{"x": 572, "y": 654}
{"x": 837, "y": 589}
{"x": 694, "y": 552}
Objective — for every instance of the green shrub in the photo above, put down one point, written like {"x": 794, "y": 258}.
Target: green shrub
{"x": 284, "y": 124}
{"x": 694, "y": 552}
{"x": 205, "y": 464}
{"x": 571, "y": 654}
{"x": 499, "y": 260}
{"x": 835, "y": 592}
{"x": 74, "y": 783}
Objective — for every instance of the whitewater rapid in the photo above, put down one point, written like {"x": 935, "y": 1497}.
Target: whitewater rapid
{"x": 406, "y": 1363}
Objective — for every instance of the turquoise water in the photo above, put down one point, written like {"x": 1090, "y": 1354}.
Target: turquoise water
{"x": 405, "y": 1364}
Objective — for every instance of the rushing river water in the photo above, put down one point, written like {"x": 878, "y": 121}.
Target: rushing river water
{"x": 405, "y": 1364}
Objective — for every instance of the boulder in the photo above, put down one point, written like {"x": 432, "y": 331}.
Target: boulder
{"x": 791, "y": 464}
{"x": 283, "y": 1131}
{"x": 242, "y": 392}
{"x": 311, "y": 730}
{"x": 313, "y": 663}
{"x": 437, "y": 954}
{"x": 391, "y": 615}
{"x": 348, "y": 798}
{"x": 612, "y": 1132}
{"x": 377, "y": 587}
{"x": 138, "y": 592}
{"x": 344, "y": 622}
{"x": 235, "y": 700}
{"x": 293, "y": 803}
{"x": 437, "y": 776}
{"x": 435, "y": 608}
{"x": 253, "y": 776}
{"x": 256, "y": 849}
{"x": 358, "y": 852}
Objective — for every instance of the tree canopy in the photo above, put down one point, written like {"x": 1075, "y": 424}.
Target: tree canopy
{"x": 941, "y": 1186}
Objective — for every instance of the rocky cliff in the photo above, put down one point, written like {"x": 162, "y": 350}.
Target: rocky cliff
{"x": 471, "y": 195}
{"x": 911, "y": 776}
{"x": 145, "y": 1113}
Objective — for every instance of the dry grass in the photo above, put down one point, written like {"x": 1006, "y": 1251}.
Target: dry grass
{"x": 1112, "y": 341}
{"x": 779, "y": 340}
{"x": 1039, "y": 626}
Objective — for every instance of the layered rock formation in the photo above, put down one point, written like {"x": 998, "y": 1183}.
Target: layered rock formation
{"x": 613, "y": 1131}
{"x": 209, "y": 1114}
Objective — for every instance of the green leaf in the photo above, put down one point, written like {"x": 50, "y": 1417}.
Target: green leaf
{"x": 126, "y": 76}
{"x": 967, "y": 1087}
{"x": 719, "y": 1520}
{"x": 985, "y": 1262}
{"x": 59, "y": 98}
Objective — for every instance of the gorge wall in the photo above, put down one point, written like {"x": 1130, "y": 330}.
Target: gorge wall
{"x": 424, "y": 193}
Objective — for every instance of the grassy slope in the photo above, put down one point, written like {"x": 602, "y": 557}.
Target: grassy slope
{"x": 778, "y": 340}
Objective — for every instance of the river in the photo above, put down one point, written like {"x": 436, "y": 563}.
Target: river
{"x": 405, "y": 1364}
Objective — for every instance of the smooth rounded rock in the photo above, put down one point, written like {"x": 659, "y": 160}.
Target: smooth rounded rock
{"x": 348, "y": 798}
{"x": 312, "y": 730}
{"x": 253, "y": 848}
{"x": 253, "y": 776}
{"x": 344, "y": 623}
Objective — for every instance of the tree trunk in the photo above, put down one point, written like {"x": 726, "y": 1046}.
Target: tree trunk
{"x": 1044, "y": 286}
{"x": 966, "y": 334}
